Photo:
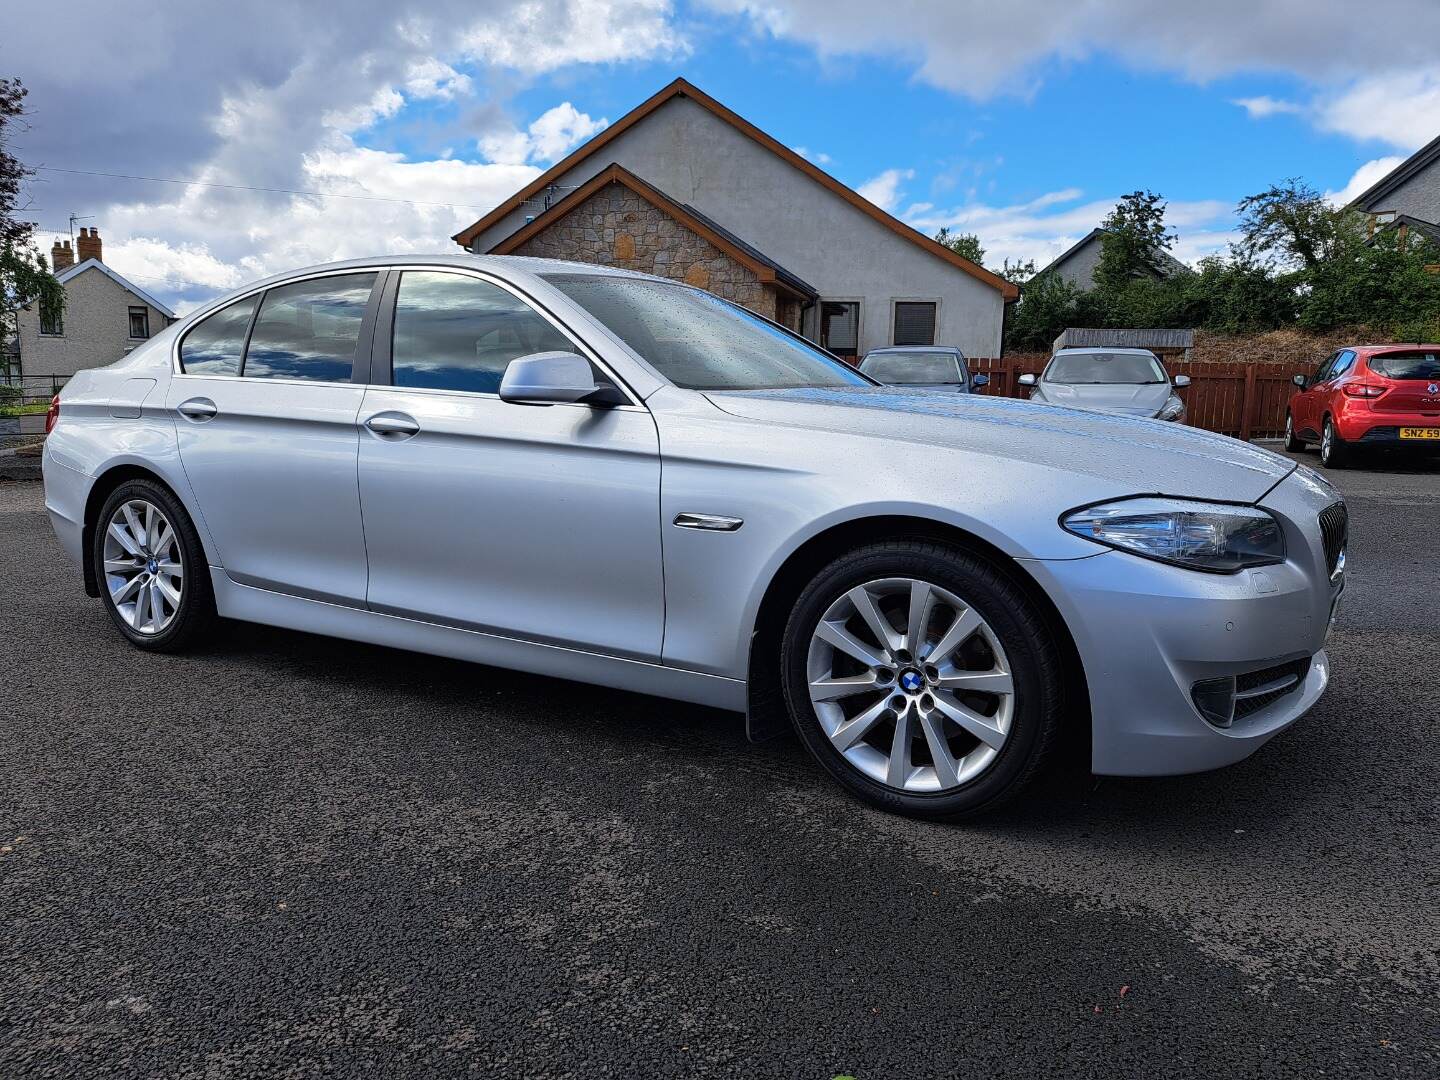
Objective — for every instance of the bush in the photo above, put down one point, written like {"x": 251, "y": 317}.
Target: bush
{"x": 10, "y": 395}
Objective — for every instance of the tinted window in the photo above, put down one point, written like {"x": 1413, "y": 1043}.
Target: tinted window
{"x": 700, "y": 342}
{"x": 911, "y": 367}
{"x": 1092, "y": 368}
{"x": 213, "y": 347}
{"x": 458, "y": 333}
{"x": 309, "y": 330}
{"x": 1342, "y": 364}
{"x": 1407, "y": 365}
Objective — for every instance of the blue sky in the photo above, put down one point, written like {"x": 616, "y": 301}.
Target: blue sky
{"x": 1021, "y": 124}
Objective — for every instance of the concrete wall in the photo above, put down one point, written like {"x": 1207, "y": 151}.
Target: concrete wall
{"x": 95, "y": 330}
{"x": 1419, "y": 197}
{"x": 697, "y": 158}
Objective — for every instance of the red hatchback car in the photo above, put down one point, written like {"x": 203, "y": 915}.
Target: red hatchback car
{"x": 1368, "y": 395}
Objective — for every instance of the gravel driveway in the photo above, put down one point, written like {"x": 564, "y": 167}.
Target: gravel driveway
{"x": 290, "y": 856}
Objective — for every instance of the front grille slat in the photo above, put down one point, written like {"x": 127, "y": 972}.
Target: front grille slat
{"x": 1334, "y": 533}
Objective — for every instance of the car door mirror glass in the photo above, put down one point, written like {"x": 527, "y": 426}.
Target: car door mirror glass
{"x": 977, "y": 381}
{"x": 550, "y": 378}
{"x": 1300, "y": 381}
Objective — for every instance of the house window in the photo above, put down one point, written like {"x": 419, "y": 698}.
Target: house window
{"x": 914, "y": 322}
{"x": 139, "y": 322}
{"x": 51, "y": 325}
{"x": 840, "y": 327}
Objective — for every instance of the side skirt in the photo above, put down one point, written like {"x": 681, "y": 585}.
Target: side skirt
{"x": 249, "y": 604}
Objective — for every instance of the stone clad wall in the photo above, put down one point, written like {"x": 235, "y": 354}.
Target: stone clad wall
{"x": 615, "y": 227}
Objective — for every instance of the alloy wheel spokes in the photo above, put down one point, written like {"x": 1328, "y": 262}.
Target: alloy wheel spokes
{"x": 143, "y": 566}
{"x": 910, "y": 684}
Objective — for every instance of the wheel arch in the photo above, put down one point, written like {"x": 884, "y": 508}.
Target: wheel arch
{"x": 766, "y": 715}
{"x": 105, "y": 483}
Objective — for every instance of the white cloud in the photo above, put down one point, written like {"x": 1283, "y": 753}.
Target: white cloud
{"x": 275, "y": 94}
{"x": 553, "y": 133}
{"x": 815, "y": 155}
{"x": 979, "y": 48}
{"x": 1364, "y": 177}
{"x": 1402, "y": 109}
{"x": 1044, "y": 227}
{"x": 884, "y": 190}
{"x": 1264, "y": 106}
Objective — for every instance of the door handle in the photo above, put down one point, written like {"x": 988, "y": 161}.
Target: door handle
{"x": 392, "y": 426}
{"x": 197, "y": 409}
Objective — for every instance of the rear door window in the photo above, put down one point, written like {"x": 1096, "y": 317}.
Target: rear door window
{"x": 214, "y": 346}
{"x": 309, "y": 329}
{"x": 1417, "y": 364}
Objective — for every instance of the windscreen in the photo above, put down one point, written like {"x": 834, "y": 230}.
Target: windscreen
{"x": 700, "y": 342}
{"x": 908, "y": 367}
{"x": 1418, "y": 364}
{"x": 1080, "y": 369}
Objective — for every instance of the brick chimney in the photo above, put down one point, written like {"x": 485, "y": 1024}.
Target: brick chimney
{"x": 88, "y": 246}
{"x": 61, "y": 257}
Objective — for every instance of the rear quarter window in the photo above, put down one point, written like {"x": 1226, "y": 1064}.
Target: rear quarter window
{"x": 213, "y": 346}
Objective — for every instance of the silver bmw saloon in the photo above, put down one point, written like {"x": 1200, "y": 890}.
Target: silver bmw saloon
{"x": 618, "y": 479}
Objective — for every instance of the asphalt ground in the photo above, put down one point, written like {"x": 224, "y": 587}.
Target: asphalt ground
{"x": 290, "y": 856}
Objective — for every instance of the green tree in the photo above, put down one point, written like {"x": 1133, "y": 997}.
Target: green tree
{"x": 1134, "y": 242}
{"x": 25, "y": 277}
{"x": 966, "y": 245}
{"x": 1048, "y": 304}
{"x": 1289, "y": 224}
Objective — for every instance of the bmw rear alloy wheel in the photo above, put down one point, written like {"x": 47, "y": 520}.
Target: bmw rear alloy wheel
{"x": 144, "y": 566}
{"x": 150, "y": 568}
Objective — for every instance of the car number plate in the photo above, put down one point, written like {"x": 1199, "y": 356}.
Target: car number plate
{"x": 1420, "y": 433}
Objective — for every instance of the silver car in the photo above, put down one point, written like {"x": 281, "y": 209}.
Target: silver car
{"x": 599, "y": 476}
{"x": 1129, "y": 382}
{"x": 925, "y": 367}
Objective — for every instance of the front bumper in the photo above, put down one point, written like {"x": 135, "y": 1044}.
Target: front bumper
{"x": 1148, "y": 632}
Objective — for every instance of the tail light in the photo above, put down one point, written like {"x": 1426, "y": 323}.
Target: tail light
{"x": 52, "y": 414}
{"x": 1362, "y": 389}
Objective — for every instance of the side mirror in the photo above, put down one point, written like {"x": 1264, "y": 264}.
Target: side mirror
{"x": 1300, "y": 381}
{"x": 977, "y": 381}
{"x": 1027, "y": 380}
{"x": 1181, "y": 380}
{"x": 554, "y": 378}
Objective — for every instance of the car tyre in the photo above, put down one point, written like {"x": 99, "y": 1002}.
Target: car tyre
{"x": 170, "y": 566}
{"x": 1010, "y": 619}
{"x": 1334, "y": 451}
{"x": 1293, "y": 443}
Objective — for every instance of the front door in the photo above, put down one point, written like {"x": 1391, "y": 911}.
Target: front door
{"x": 267, "y": 435}
{"x": 536, "y": 522}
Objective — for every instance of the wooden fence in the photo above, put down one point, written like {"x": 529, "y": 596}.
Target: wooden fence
{"x": 1246, "y": 401}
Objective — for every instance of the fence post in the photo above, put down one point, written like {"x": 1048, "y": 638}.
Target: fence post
{"x": 1247, "y": 405}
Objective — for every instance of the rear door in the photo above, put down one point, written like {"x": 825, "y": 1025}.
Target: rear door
{"x": 265, "y": 414}
{"x": 539, "y": 522}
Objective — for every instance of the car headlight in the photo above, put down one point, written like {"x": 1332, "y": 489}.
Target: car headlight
{"x": 1174, "y": 410}
{"x": 1214, "y": 537}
